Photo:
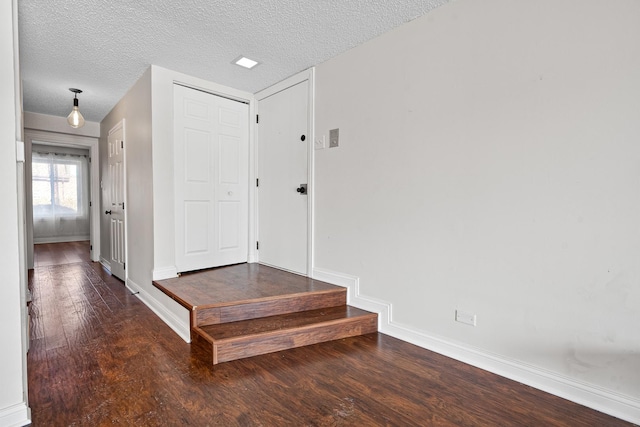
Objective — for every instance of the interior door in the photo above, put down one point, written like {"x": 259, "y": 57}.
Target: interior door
{"x": 116, "y": 195}
{"x": 211, "y": 167}
{"x": 283, "y": 140}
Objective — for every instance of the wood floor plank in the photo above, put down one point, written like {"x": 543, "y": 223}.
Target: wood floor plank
{"x": 131, "y": 369}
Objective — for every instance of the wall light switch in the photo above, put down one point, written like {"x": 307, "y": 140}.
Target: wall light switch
{"x": 320, "y": 142}
{"x": 333, "y": 137}
{"x": 465, "y": 317}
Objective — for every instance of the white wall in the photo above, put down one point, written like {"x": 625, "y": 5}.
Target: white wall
{"x": 45, "y": 122}
{"x": 13, "y": 399}
{"x": 489, "y": 161}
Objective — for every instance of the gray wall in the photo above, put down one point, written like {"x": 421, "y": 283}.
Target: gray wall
{"x": 135, "y": 109}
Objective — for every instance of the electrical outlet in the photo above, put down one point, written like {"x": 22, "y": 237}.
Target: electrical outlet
{"x": 466, "y": 318}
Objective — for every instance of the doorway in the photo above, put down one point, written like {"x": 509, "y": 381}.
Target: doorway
{"x": 285, "y": 189}
{"x": 63, "y": 142}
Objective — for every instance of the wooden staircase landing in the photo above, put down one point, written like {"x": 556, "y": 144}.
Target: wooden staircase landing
{"x": 245, "y": 310}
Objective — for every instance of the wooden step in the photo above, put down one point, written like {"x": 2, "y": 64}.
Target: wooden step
{"x": 236, "y": 340}
{"x": 269, "y": 306}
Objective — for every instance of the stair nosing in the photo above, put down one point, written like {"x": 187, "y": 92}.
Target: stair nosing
{"x": 363, "y": 316}
{"x": 263, "y": 299}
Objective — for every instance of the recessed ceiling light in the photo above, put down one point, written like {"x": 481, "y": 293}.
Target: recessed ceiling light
{"x": 245, "y": 62}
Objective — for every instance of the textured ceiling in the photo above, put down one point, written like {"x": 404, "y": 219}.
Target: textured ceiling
{"x": 103, "y": 47}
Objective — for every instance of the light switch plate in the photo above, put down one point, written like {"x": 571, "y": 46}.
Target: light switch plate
{"x": 320, "y": 142}
{"x": 334, "y": 135}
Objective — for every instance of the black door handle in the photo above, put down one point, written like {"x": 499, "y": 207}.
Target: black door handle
{"x": 302, "y": 189}
{"x": 107, "y": 212}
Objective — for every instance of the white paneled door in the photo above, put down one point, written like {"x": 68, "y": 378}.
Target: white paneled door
{"x": 283, "y": 140}
{"x": 211, "y": 167}
{"x": 115, "y": 212}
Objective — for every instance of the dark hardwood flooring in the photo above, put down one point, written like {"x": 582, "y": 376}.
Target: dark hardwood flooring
{"x": 61, "y": 253}
{"x": 99, "y": 356}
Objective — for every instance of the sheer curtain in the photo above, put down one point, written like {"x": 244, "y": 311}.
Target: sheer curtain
{"x": 60, "y": 197}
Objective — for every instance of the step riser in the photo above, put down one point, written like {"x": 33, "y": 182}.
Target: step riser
{"x": 239, "y": 348}
{"x": 284, "y": 305}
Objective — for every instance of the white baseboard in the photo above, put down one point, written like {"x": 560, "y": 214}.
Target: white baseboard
{"x": 60, "y": 239}
{"x": 174, "y": 322}
{"x": 600, "y": 399}
{"x": 165, "y": 273}
{"x": 15, "y": 416}
{"x": 106, "y": 264}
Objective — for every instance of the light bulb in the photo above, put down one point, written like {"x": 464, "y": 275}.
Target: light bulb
{"x": 75, "y": 119}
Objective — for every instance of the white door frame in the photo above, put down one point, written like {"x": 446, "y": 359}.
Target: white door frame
{"x": 307, "y": 75}
{"x": 75, "y": 141}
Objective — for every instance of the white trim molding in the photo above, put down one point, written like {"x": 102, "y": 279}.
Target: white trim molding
{"x": 60, "y": 239}
{"x": 600, "y": 399}
{"x": 15, "y": 415}
{"x": 165, "y": 273}
{"x": 174, "y": 322}
{"x": 106, "y": 264}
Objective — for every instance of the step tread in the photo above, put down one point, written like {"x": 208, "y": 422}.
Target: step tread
{"x": 284, "y": 322}
{"x": 237, "y": 284}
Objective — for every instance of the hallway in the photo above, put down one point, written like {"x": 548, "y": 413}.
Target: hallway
{"x": 99, "y": 356}
{"x": 45, "y": 254}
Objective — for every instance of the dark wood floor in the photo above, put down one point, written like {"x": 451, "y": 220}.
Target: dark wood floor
{"x": 61, "y": 253}
{"x": 99, "y": 357}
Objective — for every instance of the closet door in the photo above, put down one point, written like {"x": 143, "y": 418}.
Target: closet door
{"x": 211, "y": 176}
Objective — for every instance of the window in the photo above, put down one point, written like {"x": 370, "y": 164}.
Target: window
{"x": 57, "y": 187}
{"x": 60, "y": 197}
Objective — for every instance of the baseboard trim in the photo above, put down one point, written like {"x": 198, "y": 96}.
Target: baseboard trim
{"x": 106, "y": 264}
{"x": 600, "y": 399}
{"x": 161, "y": 311}
{"x": 60, "y": 239}
{"x": 165, "y": 273}
{"x": 15, "y": 416}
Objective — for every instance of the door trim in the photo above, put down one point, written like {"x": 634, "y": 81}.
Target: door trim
{"x": 309, "y": 76}
{"x": 68, "y": 140}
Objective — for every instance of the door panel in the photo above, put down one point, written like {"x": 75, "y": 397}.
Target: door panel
{"x": 116, "y": 145}
{"x": 282, "y": 153}
{"x": 211, "y": 168}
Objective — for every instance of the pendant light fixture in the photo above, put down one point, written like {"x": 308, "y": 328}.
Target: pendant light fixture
{"x": 75, "y": 119}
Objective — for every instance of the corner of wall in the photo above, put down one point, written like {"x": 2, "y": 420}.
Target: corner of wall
{"x": 180, "y": 326}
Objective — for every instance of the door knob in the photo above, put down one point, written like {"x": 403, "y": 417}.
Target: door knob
{"x": 107, "y": 212}
{"x": 302, "y": 189}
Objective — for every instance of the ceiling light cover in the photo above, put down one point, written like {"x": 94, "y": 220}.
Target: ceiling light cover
{"x": 246, "y": 62}
{"x": 74, "y": 118}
